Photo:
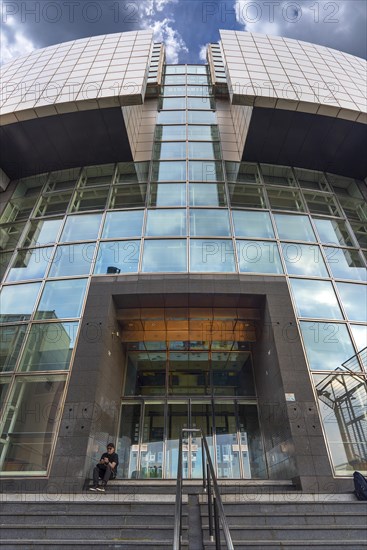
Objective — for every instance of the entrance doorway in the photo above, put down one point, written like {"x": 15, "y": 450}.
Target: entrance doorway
{"x": 150, "y": 429}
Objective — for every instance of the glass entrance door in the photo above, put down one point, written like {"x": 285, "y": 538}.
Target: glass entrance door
{"x": 150, "y": 431}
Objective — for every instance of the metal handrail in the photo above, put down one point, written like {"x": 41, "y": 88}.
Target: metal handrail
{"x": 216, "y": 506}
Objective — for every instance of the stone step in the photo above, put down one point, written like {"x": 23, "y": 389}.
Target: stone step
{"x": 296, "y": 518}
{"x": 292, "y": 545}
{"x": 300, "y": 533}
{"x": 30, "y": 544}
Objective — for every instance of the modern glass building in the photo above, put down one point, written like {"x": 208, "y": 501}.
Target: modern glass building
{"x": 184, "y": 246}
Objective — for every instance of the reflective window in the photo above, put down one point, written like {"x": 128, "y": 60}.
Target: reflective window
{"x": 360, "y": 232}
{"x": 204, "y": 150}
{"x": 119, "y": 225}
{"x": 304, "y": 259}
{"x": 116, "y": 257}
{"x": 171, "y": 117}
{"x": 169, "y": 171}
{"x": 132, "y": 172}
{"x": 343, "y": 408}
{"x": 128, "y": 196}
{"x": 199, "y": 90}
{"x": 203, "y": 133}
{"x": 285, "y": 199}
{"x": 97, "y": 175}
{"x": 48, "y": 347}
{"x": 61, "y": 299}
{"x": 205, "y": 171}
{"x": 90, "y": 199}
{"x": 5, "y": 258}
{"x": 252, "y": 224}
{"x": 173, "y": 103}
{"x": 42, "y": 232}
{"x": 328, "y": 345}
{"x": 321, "y": 204}
{"x": 11, "y": 339}
{"x": 170, "y": 133}
{"x": 346, "y": 264}
{"x": 207, "y": 194}
{"x": 173, "y": 91}
{"x": 315, "y": 299}
{"x": 167, "y": 194}
{"x": 212, "y": 255}
{"x": 170, "y": 150}
{"x": 259, "y": 257}
{"x": 354, "y": 298}
{"x": 10, "y": 235}
{"x": 81, "y": 228}
{"x": 73, "y": 259}
{"x": 17, "y": 302}
{"x": 247, "y": 196}
{"x": 360, "y": 336}
{"x": 164, "y": 256}
{"x": 209, "y": 223}
{"x": 27, "y": 445}
{"x": 333, "y": 232}
{"x": 4, "y": 386}
{"x": 297, "y": 228}
{"x": 30, "y": 264}
{"x": 200, "y": 103}
{"x": 169, "y": 223}
{"x": 243, "y": 172}
{"x": 56, "y": 203}
{"x": 201, "y": 117}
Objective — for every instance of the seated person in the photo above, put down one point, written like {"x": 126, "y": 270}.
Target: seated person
{"x": 105, "y": 469}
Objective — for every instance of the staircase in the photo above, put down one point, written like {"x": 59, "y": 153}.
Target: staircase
{"x": 292, "y": 522}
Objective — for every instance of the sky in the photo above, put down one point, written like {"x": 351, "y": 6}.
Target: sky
{"x": 186, "y": 26}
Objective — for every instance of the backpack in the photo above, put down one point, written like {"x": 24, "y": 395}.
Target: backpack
{"x": 360, "y": 486}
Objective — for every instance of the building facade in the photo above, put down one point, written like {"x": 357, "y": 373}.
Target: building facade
{"x": 184, "y": 246}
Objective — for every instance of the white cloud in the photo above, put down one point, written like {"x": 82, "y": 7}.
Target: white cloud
{"x": 164, "y": 32}
{"x": 202, "y": 52}
{"x": 14, "y": 43}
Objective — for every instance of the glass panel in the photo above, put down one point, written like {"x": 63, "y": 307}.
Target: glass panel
{"x": 152, "y": 441}
{"x": 30, "y": 264}
{"x": 360, "y": 336}
{"x": 251, "y": 444}
{"x": 201, "y": 117}
{"x": 5, "y": 258}
{"x": 170, "y": 133}
{"x": 177, "y": 419}
{"x": 27, "y": 439}
{"x": 175, "y": 79}
{"x": 321, "y": 204}
{"x": 247, "y": 196}
{"x": 284, "y": 199}
{"x": 19, "y": 209}
{"x": 252, "y": 224}
{"x": 201, "y": 418}
{"x": 167, "y": 194}
{"x": 199, "y": 90}
{"x": 119, "y": 225}
{"x": 354, "y": 298}
{"x": 207, "y": 194}
{"x": 259, "y": 257}
{"x": 10, "y": 235}
{"x": 297, "y": 227}
{"x": 203, "y": 133}
{"x": 164, "y": 256}
{"x": 209, "y": 223}
{"x": 277, "y": 175}
{"x": 61, "y": 299}
{"x": 212, "y": 255}
{"x": 130, "y": 172}
{"x": 57, "y": 203}
{"x": 309, "y": 179}
{"x": 49, "y": 346}
{"x": 204, "y": 150}
{"x": 171, "y": 117}
{"x": 169, "y": 171}
{"x": 175, "y": 69}
{"x": 74, "y": 259}
{"x": 118, "y": 256}
{"x": 327, "y": 345}
{"x": 42, "y": 232}
{"x": 232, "y": 373}
{"x": 66, "y": 179}
{"x": 346, "y": 264}
{"x": 173, "y": 91}
{"x": 170, "y": 150}
{"x": 227, "y": 448}
{"x": 343, "y": 407}
{"x": 11, "y": 339}
{"x": 17, "y": 302}
{"x": 129, "y": 440}
{"x": 315, "y": 299}
{"x": 146, "y": 373}
{"x": 128, "y": 196}
{"x": 4, "y": 386}
{"x": 166, "y": 223}
{"x": 243, "y": 172}
{"x": 81, "y": 228}
{"x": 90, "y": 199}
{"x": 200, "y": 103}
{"x": 197, "y": 79}
{"x": 360, "y": 232}
{"x": 172, "y": 103}
{"x": 97, "y": 175}
{"x": 188, "y": 373}
{"x": 333, "y": 232}
{"x": 205, "y": 171}
{"x": 304, "y": 259}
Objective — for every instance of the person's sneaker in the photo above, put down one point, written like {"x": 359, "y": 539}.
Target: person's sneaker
{"x": 101, "y": 489}
{"x": 94, "y": 488}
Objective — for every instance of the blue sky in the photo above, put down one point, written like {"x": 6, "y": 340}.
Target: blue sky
{"x": 186, "y": 26}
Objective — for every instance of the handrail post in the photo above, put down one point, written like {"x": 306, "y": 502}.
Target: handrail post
{"x": 203, "y": 464}
{"x": 216, "y": 525}
{"x": 210, "y": 508}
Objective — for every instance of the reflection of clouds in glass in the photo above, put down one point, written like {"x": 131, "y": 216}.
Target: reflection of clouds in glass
{"x": 327, "y": 345}
{"x": 345, "y": 264}
{"x": 299, "y": 227}
{"x": 164, "y": 256}
{"x": 18, "y": 300}
{"x": 360, "y": 336}
{"x": 354, "y": 298}
{"x": 304, "y": 260}
{"x": 166, "y": 222}
{"x": 78, "y": 228}
{"x": 315, "y": 299}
